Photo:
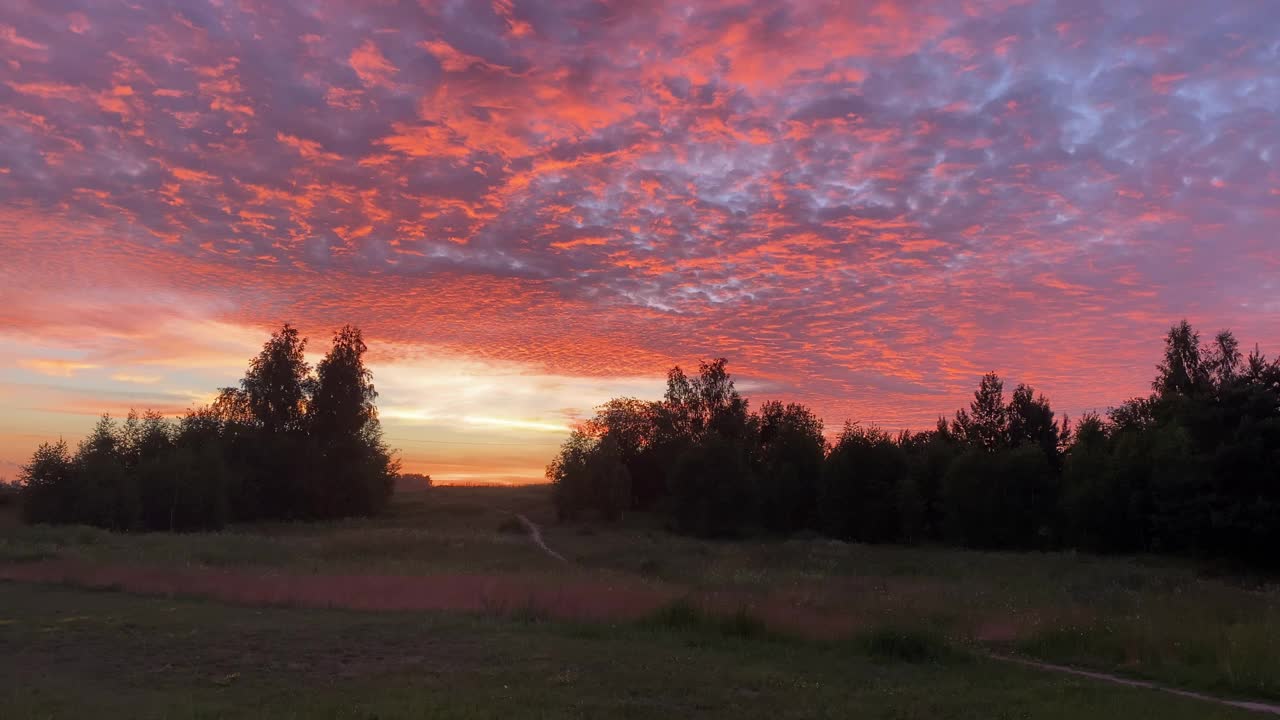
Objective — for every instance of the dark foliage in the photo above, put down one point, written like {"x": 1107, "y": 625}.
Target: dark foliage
{"x": 861, "y": 496}
{"x": 1001, "y": 499}
{"x": 284, "y": 445}
{"x": 1193, "y": 468}
{"x": 712, "y": 488}
{"x": 589, "y": 475}
{"x": 790, "y": 465}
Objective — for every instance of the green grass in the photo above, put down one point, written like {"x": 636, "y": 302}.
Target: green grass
{"x": 907, "y": 644}
{"x": 1156, "y": 618}
{"x": 72, "y": 653}
{"x": 684, "y": 615}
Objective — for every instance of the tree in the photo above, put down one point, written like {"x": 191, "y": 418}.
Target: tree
{"x": 1224, "y": 359}
{"x": 283, "y": 445}
{"x": 861, "y": 493}
{"x": 1100, "y": 505}
{"x": 985, "y": 425}
{"x": 608, "y": 479}
{"x": 1001, "y": 499}
{"x": 357, "y": 473}
{"x": 712, "y": 493}
{"x": 790, "y": 465}
{"x": 705, "y": 430}
{"x": 569, "y": 477}
{"x": 106, "y": 494}
{"x": 631, "y": 424}
{"x": 1183, "y": 372}
{"x": 413, "y": 481}
{"x": 267, "y": 435}
{"x": 589, "y": 475}
{"x": 1030, "y": 421}
{"x": 278, "y": 382}
{"x": 693, "y": 407}
{"x": 48, "y": 484}
{"x": 929, "y": 455}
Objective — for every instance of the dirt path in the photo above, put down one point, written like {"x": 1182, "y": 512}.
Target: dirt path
{"x": 1259, "y": 707}
{"x": 535, "y": 534}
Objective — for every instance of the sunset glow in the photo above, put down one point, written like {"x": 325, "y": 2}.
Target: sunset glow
{"x": 531, "y": 207}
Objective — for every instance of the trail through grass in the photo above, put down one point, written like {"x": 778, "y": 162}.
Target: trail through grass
{"x": 1153, "y": 618}
{"x": 72, "y": 653}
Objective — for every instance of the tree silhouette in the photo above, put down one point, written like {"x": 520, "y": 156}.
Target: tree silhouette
{"x": 631, "y": 425}
{"x": 356, "y": 475}
{"x": 790, "y": 465}
{"x": 278, "y": 382}
{"x": 1183, "y": 372}
{"x": 861, "y": 494}
{"x": 1031, "y": 422}
{"x": 985, "y": 425}
{"x": 284, "y": 445}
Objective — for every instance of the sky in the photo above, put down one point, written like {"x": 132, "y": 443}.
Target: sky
{"x": 532, "y": 206}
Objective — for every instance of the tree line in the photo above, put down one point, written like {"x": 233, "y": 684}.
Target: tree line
{"x": 291, "y": 442}
{"x": 1191, "y": 468}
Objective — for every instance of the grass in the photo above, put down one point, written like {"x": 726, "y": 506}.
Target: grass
{"x": 72, "y": 653}
{"x": 1156, "y": 618}
{"x": 908, "y": 644}
{"x": 686, "y": 616}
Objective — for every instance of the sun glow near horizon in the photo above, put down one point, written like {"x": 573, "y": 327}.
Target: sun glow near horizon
{"x": 531, "y": 207}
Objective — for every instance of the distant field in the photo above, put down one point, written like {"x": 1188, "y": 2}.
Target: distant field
{"x": 785, "y": 628}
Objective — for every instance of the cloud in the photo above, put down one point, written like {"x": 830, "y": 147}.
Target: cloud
{"x": 371, "y": 66}
{"x": 63, "y": 368}
{"x": 864, "y": 205}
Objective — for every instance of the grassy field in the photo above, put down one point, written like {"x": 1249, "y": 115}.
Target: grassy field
{"x": 72, "y": 653}
{"x": 638, "y": 623}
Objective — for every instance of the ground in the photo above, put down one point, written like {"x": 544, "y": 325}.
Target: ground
{"x": 445, "y": 608}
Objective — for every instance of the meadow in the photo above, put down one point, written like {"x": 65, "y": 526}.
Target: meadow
{"x": 444, "y": 607}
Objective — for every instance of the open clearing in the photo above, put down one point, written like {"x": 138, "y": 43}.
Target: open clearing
{"x": 442, "y": 608}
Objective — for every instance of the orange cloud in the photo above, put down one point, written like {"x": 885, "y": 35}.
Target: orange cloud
{"x": 371, "y": 65}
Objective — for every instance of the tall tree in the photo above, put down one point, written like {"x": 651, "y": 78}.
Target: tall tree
{"x": 630, "y": 424}
{"x": 1031, "y": 422}
{"x": 278, "y": 382}
{"x": 790, "y": 465}
{"x": 48, "y": 484}
{"x": 861, "y": 492}
{"x": 342, "y": 406}
{"x": 358, "y": 472}
{"x": 985, "y": 425}
{"x": 1183, "y": 371}
{"x": 1224, "y": 359}
{"x": 706, "y": 403}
